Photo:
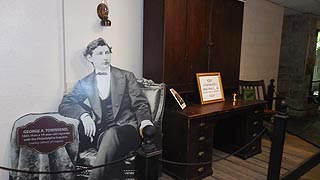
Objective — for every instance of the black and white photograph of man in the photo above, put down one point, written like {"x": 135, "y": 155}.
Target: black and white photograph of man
{"x": 111, "y": 108}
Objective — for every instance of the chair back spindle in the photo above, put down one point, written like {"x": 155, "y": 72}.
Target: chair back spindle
{"x": 255, "y": 88}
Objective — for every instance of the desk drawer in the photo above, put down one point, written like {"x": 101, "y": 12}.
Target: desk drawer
{"x": 200, "y": 137}
{"x": 251, "y": 150}
{"x": 199, "y": 171}
{"x": 200, "y": 132}
{"x": 254, "y": 124}
{"x": 200, "y": 153}
{"x": 254, "y": 115}
{"x": 201, "y": 126}
{"x": 254, "y": 130}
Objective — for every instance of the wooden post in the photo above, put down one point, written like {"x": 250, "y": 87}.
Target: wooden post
{"x": 148, "y": 165}
{"x": 147, "y": 159}
{"x": 270, "y": 93}
{"x": 278, "y": 137}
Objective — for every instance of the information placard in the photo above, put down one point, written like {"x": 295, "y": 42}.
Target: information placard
{"x": 45, "y": 135}
{"x": 210, "y": 87}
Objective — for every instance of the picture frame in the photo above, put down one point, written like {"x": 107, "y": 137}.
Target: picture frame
{"x": 210, "y": 87}
{"x": 178, "y": 98}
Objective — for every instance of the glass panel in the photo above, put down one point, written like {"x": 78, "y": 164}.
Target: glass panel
{"x": 316, "y": 71}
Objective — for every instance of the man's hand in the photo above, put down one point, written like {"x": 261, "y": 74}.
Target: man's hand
{"x": 89, "y": 126}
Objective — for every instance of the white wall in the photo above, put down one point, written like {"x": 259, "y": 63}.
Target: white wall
{"x": 124, "y": 35}
{"x": 261, "y": 40}
{"x": 32, "y": 54}
{"x": 31, "y": 70}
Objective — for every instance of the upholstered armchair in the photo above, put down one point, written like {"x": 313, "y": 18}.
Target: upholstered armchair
{"x": 155, "y": 94}
{"x": 68, "y": 157}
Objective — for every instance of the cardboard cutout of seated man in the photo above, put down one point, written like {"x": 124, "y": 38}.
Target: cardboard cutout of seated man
{"x": 110, "y": 106}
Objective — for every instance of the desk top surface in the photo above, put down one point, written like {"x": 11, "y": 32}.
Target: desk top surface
{"x": 198, "y": 110}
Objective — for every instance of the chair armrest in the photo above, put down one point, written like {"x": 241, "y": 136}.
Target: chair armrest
{"x": 155, "y": 94}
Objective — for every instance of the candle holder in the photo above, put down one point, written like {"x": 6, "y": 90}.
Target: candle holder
{"x": 234, "y": 95}
{"x": 103, "y": 12}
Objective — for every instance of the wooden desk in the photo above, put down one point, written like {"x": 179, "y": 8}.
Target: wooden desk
{"x": 189, "y": 134}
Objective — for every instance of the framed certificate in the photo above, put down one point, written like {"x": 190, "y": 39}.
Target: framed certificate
{"x": 210, "y": 87}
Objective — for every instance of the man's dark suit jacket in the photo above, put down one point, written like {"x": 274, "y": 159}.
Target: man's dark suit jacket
{"x": 129, "y": 105}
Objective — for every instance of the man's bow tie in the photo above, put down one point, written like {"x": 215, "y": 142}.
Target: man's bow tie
{"x": 102, "y": 73}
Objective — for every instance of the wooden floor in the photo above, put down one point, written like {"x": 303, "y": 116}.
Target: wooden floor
{"x": 296, "y": 151}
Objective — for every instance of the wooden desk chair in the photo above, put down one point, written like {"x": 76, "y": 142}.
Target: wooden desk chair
{"x": 256, "y": 90}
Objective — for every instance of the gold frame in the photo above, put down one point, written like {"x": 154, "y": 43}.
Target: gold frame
{"x": 210, "y": 78}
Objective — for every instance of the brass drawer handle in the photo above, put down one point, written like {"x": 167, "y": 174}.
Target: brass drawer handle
{"x": 201, "y": 169}
{"x": 202, "y": 138}
{"x": 255, "y": 123}
{"x": 253, "y": 147}
{"x": 201, "y": 153}
{"x": 256, "y": 111}
{"x": 202, "y": 124}
{"x": 254, "y": 135}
